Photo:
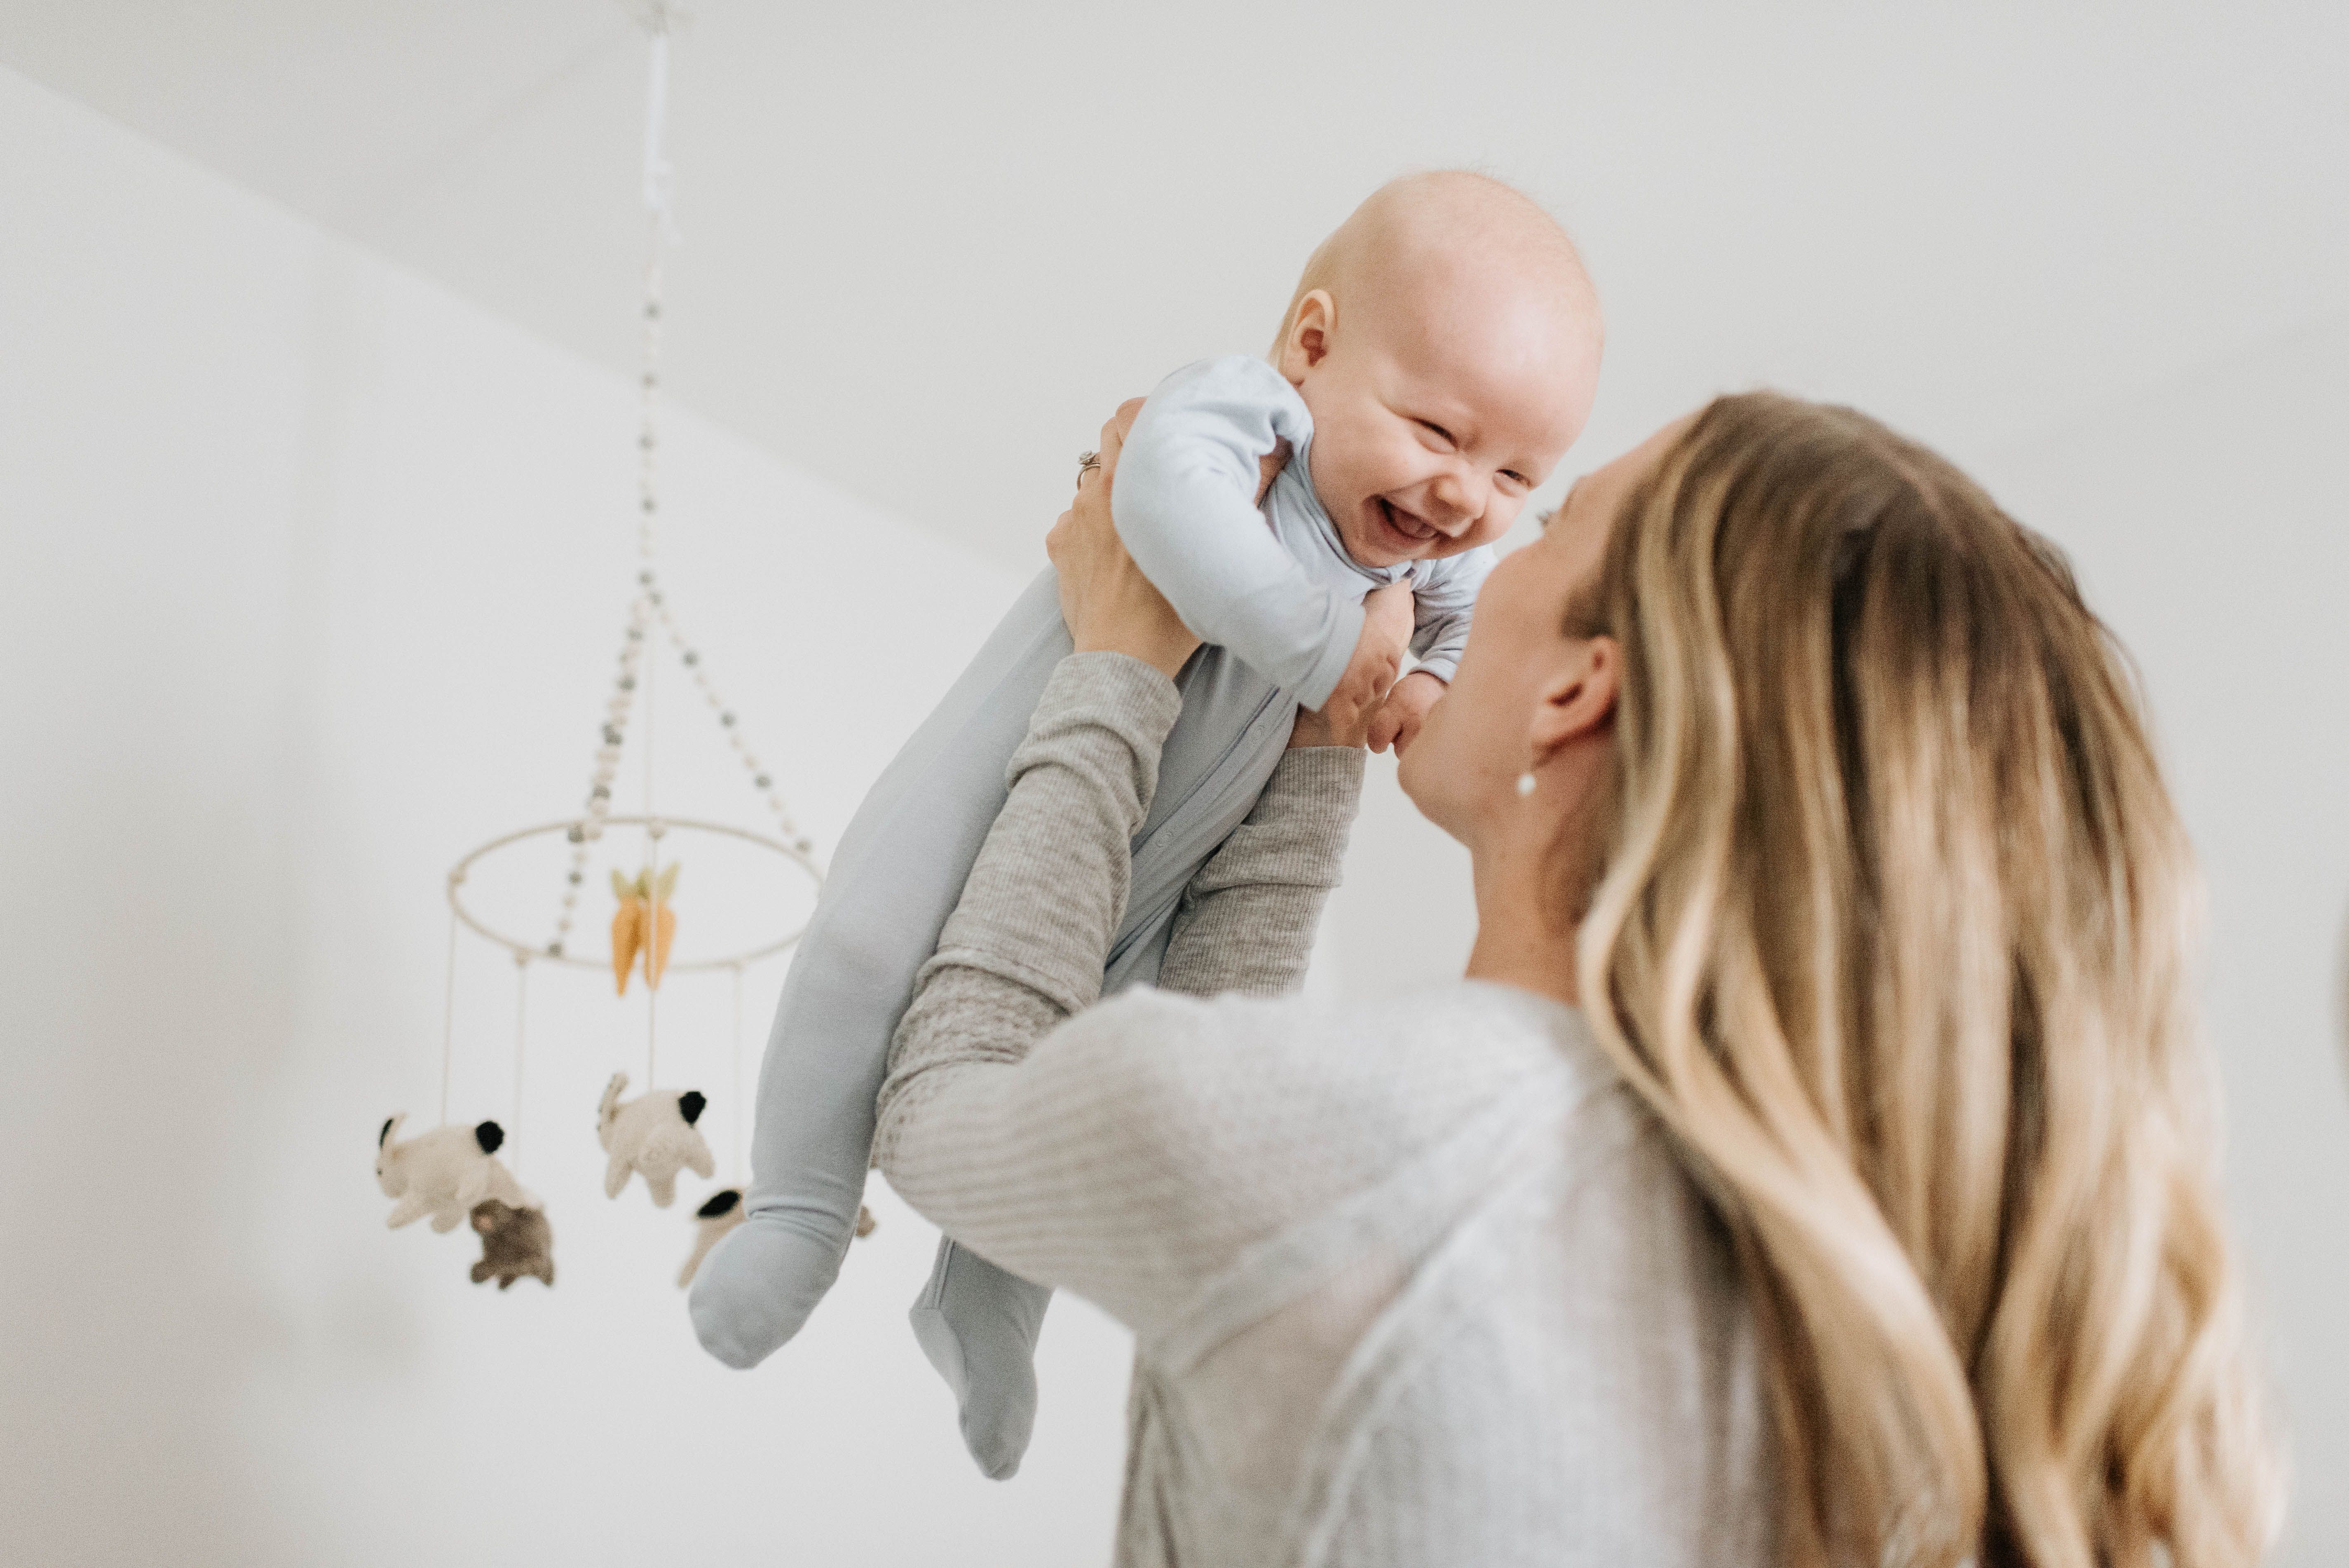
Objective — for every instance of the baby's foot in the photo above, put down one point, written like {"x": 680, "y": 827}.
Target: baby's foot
{"x": 757, "y": 1287}
{"x": 977, "y": 1325}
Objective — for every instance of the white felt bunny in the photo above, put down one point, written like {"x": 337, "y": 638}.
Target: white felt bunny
{"x": 444, "y": 1173}
{"x": 721, "y": 1212}
{"x": 654, "y": 1136}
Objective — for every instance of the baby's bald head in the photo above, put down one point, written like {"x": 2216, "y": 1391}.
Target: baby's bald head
{"x": 1446, "y": 341}
{"x": 1447, "y": 231}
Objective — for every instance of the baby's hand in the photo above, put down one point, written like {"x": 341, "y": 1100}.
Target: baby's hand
{"x": 1378, "y": 656}
{"x": 1267, "y": 469}
{"x": 1397, "y": 722}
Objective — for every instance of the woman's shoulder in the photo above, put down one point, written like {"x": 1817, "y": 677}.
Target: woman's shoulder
{"x": 1465, "y": 1030}
{"x": 1265, "y": 1108}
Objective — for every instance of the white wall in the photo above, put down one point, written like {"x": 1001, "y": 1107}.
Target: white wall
{"x": 2210, "y": 526}
{"x": 313, "y": 579}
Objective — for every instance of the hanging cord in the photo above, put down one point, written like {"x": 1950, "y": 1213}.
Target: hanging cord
{"x": 448, "y": 1011}
{"x": 653, "y": 897}
{"x": 740, "y": 1161}
{"x": 522, "y": 1007}
{"x": 648, "y": 510}
{"x": 657, "y": 22}
{"x": 660, "y": 230}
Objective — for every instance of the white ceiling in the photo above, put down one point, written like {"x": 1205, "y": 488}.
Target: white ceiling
{"x": 927, "y": 247}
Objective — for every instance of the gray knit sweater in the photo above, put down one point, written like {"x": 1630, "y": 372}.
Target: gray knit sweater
{"x": 1413, "y": 1284}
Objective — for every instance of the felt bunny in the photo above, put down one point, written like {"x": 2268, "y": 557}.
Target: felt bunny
{"x": 443, "y": 1172}
{"x": 721, "y": 1212}
{"x": 515, "y": 1243}
{"x": 654, "y": 1136}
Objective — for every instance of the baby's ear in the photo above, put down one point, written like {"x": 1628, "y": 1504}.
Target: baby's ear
{"x": 1307, "y": 342}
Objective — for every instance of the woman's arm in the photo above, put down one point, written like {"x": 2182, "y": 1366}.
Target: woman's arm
{"x": 1016, "y": 1154}
{"x": 1052, "y": 1160}
{"x": 1248, "y": 919}
{"x": 1088, "y": 1153}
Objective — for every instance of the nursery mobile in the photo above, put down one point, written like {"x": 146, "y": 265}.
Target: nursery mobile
{"x": 453, "y": 1173}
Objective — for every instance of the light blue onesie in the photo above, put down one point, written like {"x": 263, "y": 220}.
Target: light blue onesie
{"x": 1280, "y": 610}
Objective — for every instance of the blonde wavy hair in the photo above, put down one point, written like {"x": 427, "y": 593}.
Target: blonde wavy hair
{"x": 1893, "y": 933}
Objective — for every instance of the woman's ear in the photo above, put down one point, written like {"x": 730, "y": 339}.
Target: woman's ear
{"x": 1578, "y": 701}
{"x": 1308, "y": 342}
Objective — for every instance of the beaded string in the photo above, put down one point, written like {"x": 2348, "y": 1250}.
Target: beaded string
{"x": 728, "y": 721}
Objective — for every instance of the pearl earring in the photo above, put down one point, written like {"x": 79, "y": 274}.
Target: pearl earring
{"x": 1525, "y": 782}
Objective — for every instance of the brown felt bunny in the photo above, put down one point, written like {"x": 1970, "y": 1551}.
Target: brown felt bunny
{"x": 515, "y": 1243}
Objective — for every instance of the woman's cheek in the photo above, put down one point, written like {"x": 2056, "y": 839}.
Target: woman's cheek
{"x": 1500, "y": 516}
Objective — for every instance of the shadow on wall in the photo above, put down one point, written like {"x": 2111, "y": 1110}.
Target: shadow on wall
{"x": 161, "y": 991}
{"x": 154, "y": 995}
{"x": 2341, "y": 998}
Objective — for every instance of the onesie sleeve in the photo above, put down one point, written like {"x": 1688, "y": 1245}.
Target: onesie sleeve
{"x": 1185, "y": 503}
{"x": 1442, "y": 602}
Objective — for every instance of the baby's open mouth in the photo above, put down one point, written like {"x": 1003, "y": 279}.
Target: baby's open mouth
{"x": 1411, "y": 525}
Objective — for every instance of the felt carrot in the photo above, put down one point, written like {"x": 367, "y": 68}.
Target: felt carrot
{"x": 646, "y": 922}
{"x": 663, "y": 925}
{"x": 627, "y": 931}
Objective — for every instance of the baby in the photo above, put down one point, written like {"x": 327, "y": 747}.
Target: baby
{"x": 1438, "y": 358}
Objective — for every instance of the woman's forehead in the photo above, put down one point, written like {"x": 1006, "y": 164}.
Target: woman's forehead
{"x": 1579, "y": 529}
{"x": 1607, "y": 484}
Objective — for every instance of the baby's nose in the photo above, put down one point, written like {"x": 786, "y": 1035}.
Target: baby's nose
{"x": 1459, "y": 499}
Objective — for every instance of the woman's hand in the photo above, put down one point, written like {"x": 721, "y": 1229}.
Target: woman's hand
{"x": 1110, "y": 606}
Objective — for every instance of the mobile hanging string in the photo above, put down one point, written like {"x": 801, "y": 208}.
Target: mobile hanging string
{"x": 644, "y": 925}
{"x": 522, "y": 1006}
{"x": 739, "y": 1159}
{"x": 447, "y": 1010}
{"x": 660, "y": 229}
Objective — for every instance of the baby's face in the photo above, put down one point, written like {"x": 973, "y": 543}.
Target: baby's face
{"x": 1435, "y": 416}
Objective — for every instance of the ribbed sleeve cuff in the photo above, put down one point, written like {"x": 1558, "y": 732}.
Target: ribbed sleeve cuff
{"x": 1045, "y": 896}
{"x": 1326, "y": 775}
{"x": 1305, "y": 813}
{"x": 1115, "y": 692}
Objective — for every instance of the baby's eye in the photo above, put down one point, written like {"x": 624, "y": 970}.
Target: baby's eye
{"x": 1438, "y": 431}
{"x": 1516, "y": 478}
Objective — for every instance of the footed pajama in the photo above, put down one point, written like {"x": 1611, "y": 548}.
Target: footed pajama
{"x": 1283, "y": 602}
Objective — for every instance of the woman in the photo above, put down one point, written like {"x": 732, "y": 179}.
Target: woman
{"x": 1815, "y": 1166}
